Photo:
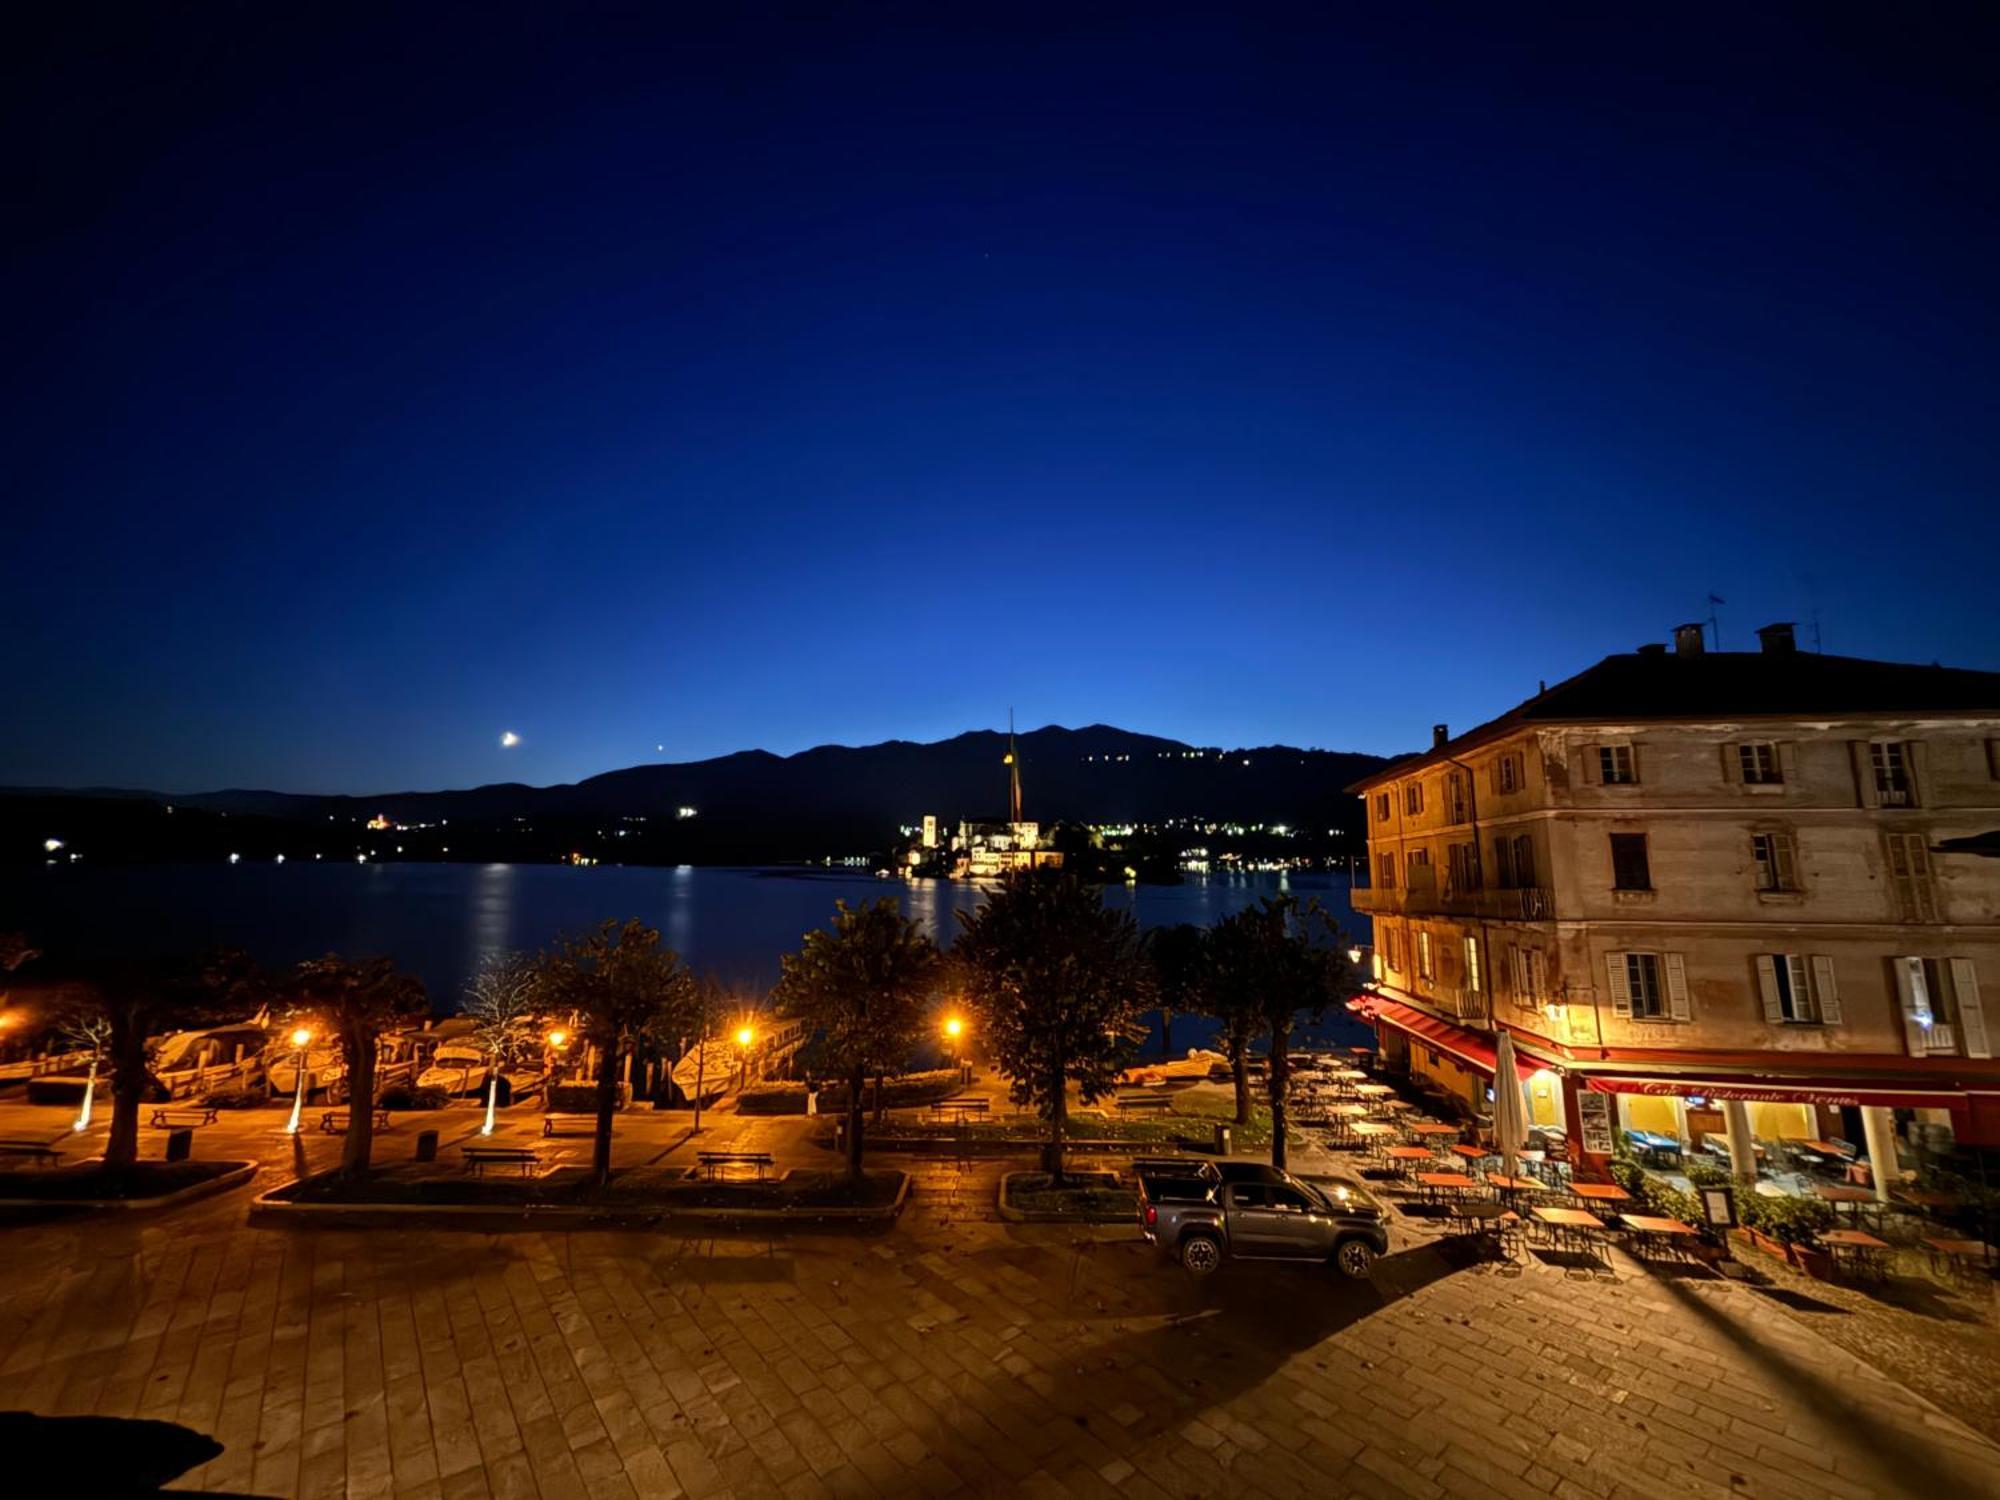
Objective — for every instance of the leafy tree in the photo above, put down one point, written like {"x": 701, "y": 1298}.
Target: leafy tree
{"x": 358, "y": 1002}
{"x": 1180, "y": 974}
{"x": 1230, "y": 995}
{"x": 621, "y": 986}
{"x": 1289, "y": 956}
{"x": 1060, "y": 984}
{"x": 861, "y": 985}
{"x": 504, "y": 1004}
{"x": 123, "y": 1004}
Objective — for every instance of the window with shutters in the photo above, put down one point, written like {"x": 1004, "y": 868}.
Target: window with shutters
{"x": 1464, "y": 867}
{"x": 1524, "y": 861}
{"x": 1642, "y": 979}
{"x": 1424, "y": 969}
{"x": 1760, "y": 763}
{"x": 1776, "y": 857}
{"x": 1537, "y": 974}
{"x": 1503, "y": 863}
{"x": 1457, "y": 798}
{"x": 1472, "y": 980}
{"x": 1630, "y": 869}
{"x": 1942, "y": 1009}
{"x": 1615, "y": 765}
{"x": 1507, "y": 773}
{"x": 1413, "y": 798}
{"x": 1417, "y": 867}
{"x": 1385, "y": 871}
{"x": 1889, "y": 760}
{"x": 1381, "y": 807}
{"x": 1909, "y": 865}
{"x": 1796, "y": 989}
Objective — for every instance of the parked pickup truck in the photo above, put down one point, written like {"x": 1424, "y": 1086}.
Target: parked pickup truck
{"x": 1203, "y": 1213}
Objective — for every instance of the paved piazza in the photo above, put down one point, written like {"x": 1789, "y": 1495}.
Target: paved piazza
{"x": 957, "y": 1354}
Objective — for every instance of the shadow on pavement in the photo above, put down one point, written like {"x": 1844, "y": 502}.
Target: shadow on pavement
{"x": 107, "y": 1456}
{"x": 1905, "y": 1465}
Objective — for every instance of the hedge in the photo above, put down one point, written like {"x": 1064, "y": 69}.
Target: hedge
{"x": 901, "y": 1091}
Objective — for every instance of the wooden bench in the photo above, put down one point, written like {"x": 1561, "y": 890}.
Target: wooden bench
{"x": 1144, "y": 1103}
{"x": 569, "y": 1124}
{"x": 335, "y": 1120}
{"x": 961, "y": 1107}
{"x": 479, "y": 1158}
{"x": 714, "y": 1161}
{"x": 40, "y": 1152}
{"x": 182, "y": 1119}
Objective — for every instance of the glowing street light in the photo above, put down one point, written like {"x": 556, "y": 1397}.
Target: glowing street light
{"x": 745, "y": 1036}
{"x": 558, "y": 1038}
{"x": 301, "y": 1038}
{"x": 954, "y": 1027}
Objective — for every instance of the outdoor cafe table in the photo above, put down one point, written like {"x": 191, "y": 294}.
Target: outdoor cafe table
{"x": 1433, "y": 1127}
{"x": 1474, "y": 1154}
{"x": 1601, "y": 1192}
{"x": 1858, "y": 1201}
{"x": 1510, "y": 1185}
{"x": 1958, "y": 1256}
{"x": 1656, "y": 1232}
{"x": 1572, "y": 1228}
{"x": 1373, "y": 1090}
{"x": 1369, "y": 1133}
{"x": 1437, "y": 1185}
{"x": 1858, "y": 1249}
{"x": 1833, "y": 1149}
{"x": 1404, "y": 1156}
{"x": 1353, "y": 1111}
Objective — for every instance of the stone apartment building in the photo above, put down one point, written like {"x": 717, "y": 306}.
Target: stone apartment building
{"x": 1706, "y": 892}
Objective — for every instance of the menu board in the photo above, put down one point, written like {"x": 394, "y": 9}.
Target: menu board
{"x": 1595, "y": 1110}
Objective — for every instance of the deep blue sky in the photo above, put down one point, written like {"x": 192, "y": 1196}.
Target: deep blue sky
{"x": 384, "y": 380}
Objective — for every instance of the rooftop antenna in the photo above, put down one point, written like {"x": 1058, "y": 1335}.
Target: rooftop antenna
{"x": 1013, "y": 773}
{"x": 1812, "y": 602}
{"x": 1714, "y": 624}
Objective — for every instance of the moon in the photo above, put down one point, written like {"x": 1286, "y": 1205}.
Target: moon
{"x": 509, "y": 739}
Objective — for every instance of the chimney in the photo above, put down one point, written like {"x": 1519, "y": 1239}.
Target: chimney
{"x": 1778, "y": 640}
{"x": 1687, "y": 640}
{"x": 1439, "y": 734}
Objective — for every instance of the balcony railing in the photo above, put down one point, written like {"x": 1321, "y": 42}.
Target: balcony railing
{"x": 1533, "y": 903}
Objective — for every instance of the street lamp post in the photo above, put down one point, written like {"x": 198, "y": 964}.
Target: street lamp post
{"x": 745, "y": 1035}
{"x": 301, "y": 1038}
{"x": 954, "y": 1029}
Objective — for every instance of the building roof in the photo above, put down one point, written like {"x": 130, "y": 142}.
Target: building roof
{"x": 1665, "y": 687}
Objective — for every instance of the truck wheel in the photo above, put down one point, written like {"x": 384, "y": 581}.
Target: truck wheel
{"x": 1354, "y": 1259}
{"x": 1201, "y": 1254}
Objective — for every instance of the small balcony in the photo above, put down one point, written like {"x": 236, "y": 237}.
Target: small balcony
{"x": 1533, "y": 903}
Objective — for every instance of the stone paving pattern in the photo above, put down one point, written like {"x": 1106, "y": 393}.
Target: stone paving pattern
{"x": 954, "y": 1355}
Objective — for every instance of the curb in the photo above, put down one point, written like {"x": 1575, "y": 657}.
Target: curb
{"x": 270, "y": 1211}
{"x": 241, "y": 1173}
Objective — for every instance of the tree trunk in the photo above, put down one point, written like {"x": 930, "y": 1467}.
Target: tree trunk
{"x": 1239, "y": 1067}
{"x": 607, "y": 1107}
{"x": 128, "y": 1089}
{"x": 360, "y": 1143}
{"x": 1281, "y": 1083}
{"x": 856, "y": 1082}
{"x": 1052, "y": 1154}
{"x": 881, "y": 1100}
{"x": 1166, "y": 1034}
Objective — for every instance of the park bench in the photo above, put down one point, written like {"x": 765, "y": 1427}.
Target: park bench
{"x": 714, "y": 1161}
{"x": 569, "y": 1124}
{"x": 479, "y": 1158}
{"x": 166, "y": 1118}
{"x": 1144, "y": 1103}
{"x": 961, "y": 1107}
{"x": 335, "y": 1120}
{"x": 40, "y": 1152}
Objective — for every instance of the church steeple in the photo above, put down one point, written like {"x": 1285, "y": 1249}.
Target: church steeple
{"x": 1013, "y": 773}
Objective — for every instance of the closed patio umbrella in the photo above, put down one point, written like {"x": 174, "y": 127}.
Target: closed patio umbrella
{"x": 1510, "y": 1115}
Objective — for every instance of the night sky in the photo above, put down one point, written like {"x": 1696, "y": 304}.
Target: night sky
{"x": 382, "y": 380}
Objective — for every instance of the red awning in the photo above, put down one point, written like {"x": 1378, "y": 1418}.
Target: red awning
{"x": 1472, "y": 1048}
{"x": 1833, "y": 1091}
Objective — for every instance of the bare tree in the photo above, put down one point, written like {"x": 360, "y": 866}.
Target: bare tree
{"x": 359, "y": 1001}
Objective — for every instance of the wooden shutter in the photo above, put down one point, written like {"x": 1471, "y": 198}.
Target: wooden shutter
{"x": 1788, "y": 761}
{"x": 1971, "y": 1017}
{"x": 1619, "y": 983}
{"x": 1767, "y": 987}
{"x": 1826, "y": 991}
{"x": 1638, "y": 770}
{"x": 1677, "y": 987}
{"x": 1592, "y": 769}
{"x": 1538, "y": 974}
{"x": 1917, "y": 766}
{"x": 1914, "y": 1002}
{"x": 1785, "y": 861}
{"x": 1864, "y": 774}
{"x": 1993, "y": 759}
{"x": 1732, "y": 764}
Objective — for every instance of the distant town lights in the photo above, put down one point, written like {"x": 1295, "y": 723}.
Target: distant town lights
{"x": 51, "y": 845}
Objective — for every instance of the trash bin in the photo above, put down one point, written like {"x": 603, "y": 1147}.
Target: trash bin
{"x": 1222, "y": 1140}
{"x": 427, "y": 1145}
{"x": 180, "y": 1145}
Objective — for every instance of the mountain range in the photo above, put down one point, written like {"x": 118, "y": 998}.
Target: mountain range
{"x": 831, "y": 800}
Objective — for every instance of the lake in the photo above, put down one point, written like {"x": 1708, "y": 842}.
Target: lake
{"x": 440, "y": 920}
